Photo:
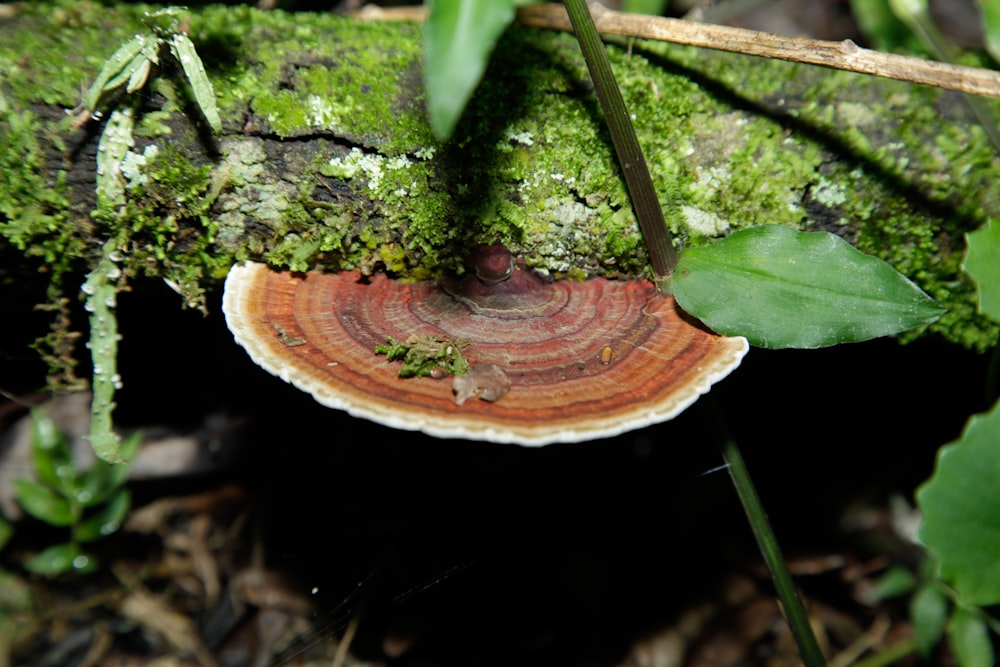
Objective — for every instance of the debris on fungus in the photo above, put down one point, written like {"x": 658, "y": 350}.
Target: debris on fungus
{"x": 552, "y": 361}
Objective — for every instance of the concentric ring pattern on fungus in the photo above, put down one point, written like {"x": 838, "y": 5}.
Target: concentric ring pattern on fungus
{"x": 584, "y": 360}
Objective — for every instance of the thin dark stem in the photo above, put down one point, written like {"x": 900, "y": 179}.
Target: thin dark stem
{"x": 795, "y": 612}
{"x": 640, "y": 185}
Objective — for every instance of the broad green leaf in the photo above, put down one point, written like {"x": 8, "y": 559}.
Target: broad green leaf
{"x": 459, "y": 36}
{"x": 43, "y": 503}
{"x": 204, "y": 95}
{"x": 50, "y": 452}
{"x": 969, "y": 638}
{"x": 60, "y": 558}
{"x": 929, "y": 614}
{"x": 961, "y": 509}
{"x": 982, "y": 263}
{"x": 782, "y": 288}
{"x": 991, "y": 27}
{"x": 107, "y": 520}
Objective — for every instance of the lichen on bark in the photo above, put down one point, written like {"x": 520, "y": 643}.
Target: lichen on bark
{"x": 326, "y": 158}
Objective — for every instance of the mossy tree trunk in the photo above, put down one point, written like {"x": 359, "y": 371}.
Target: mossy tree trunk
{"x": 326, "y": 159}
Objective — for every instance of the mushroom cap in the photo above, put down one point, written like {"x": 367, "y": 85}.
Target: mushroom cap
{"x": 585, "y": 360}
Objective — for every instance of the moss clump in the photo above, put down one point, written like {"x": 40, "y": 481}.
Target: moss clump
{"x": 165, "y": 220}
{"x": 35, "y": 218}
{"x": 426, "y": 356}
{"x": 34, "y": 201}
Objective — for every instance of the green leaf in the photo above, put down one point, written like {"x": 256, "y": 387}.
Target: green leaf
{"x": 882, "y": 29}
{"x": 896, "y": 581}
{"x": 138, "y": 78}
{"x": 43, "y": 503}
{"x": 50, "y": 452}
{"x": 982, "y": 263}
{"x": 204, "y": 95}
{"x": 961, "y": 509}
{"x": 60, "y": 558}
{"x": 969, "y": 638}
{"x": 991, "y": 27}
{"x": 107, "y": 520}
{"x": 15, "y": 594}
{"x": 6, "y": 532}
{"x": 782, "y": 288}
{"x": 116, "y": 71}
{"x": 116, "y": 139}
{"x": 459, "y": 36}
{"x": 929, "y": 614}
{"x": 104, "y": 479}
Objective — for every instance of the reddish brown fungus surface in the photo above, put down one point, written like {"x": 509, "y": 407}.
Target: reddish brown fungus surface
{"x": 584, "y": 360}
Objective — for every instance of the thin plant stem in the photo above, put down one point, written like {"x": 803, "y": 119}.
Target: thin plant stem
{"x": 662, "y": 255}
{"x": 795, "y": 612}
{"x": 844, "y": 55}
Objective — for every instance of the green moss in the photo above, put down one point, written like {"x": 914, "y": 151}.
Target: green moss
{"x": 425, "y": 356}
{"x": 164, "y": 222}
{"x": 33, "y": 204}
{"x": 35, "y": 218}
{"x": 324, "y": 76}
{"x": 68, "y": 41}
{"x": 326, "y": 158}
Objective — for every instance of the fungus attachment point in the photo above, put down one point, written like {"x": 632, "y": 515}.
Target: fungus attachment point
{"x": 549, "y": 361}
{"x": 492, "y": 263}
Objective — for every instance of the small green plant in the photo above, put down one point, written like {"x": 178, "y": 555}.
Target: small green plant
{"x": 961, "y": 530}
{"x": 130, "y": 67}
{"x": 91, "y": 503}
{"x": 127, "y": 71}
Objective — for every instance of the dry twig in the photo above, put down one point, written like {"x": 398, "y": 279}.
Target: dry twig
{"x": 845, "y": 55}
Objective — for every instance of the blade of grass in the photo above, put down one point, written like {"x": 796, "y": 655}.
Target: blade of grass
{"x": 640, "y": 185}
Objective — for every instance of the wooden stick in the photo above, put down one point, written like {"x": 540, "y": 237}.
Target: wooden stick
{"x": 845, "y": 55}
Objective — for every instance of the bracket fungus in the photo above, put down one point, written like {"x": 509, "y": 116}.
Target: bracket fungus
{"x": 548, "y": 361}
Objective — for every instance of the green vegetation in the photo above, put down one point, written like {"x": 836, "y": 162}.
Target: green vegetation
{"x": 781, "y": 288}
{"x": 426, "y": 356}
{"x": 323, "y": 161}
{"x": 305, "y": 177}
{"x": 91, "y": 503}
